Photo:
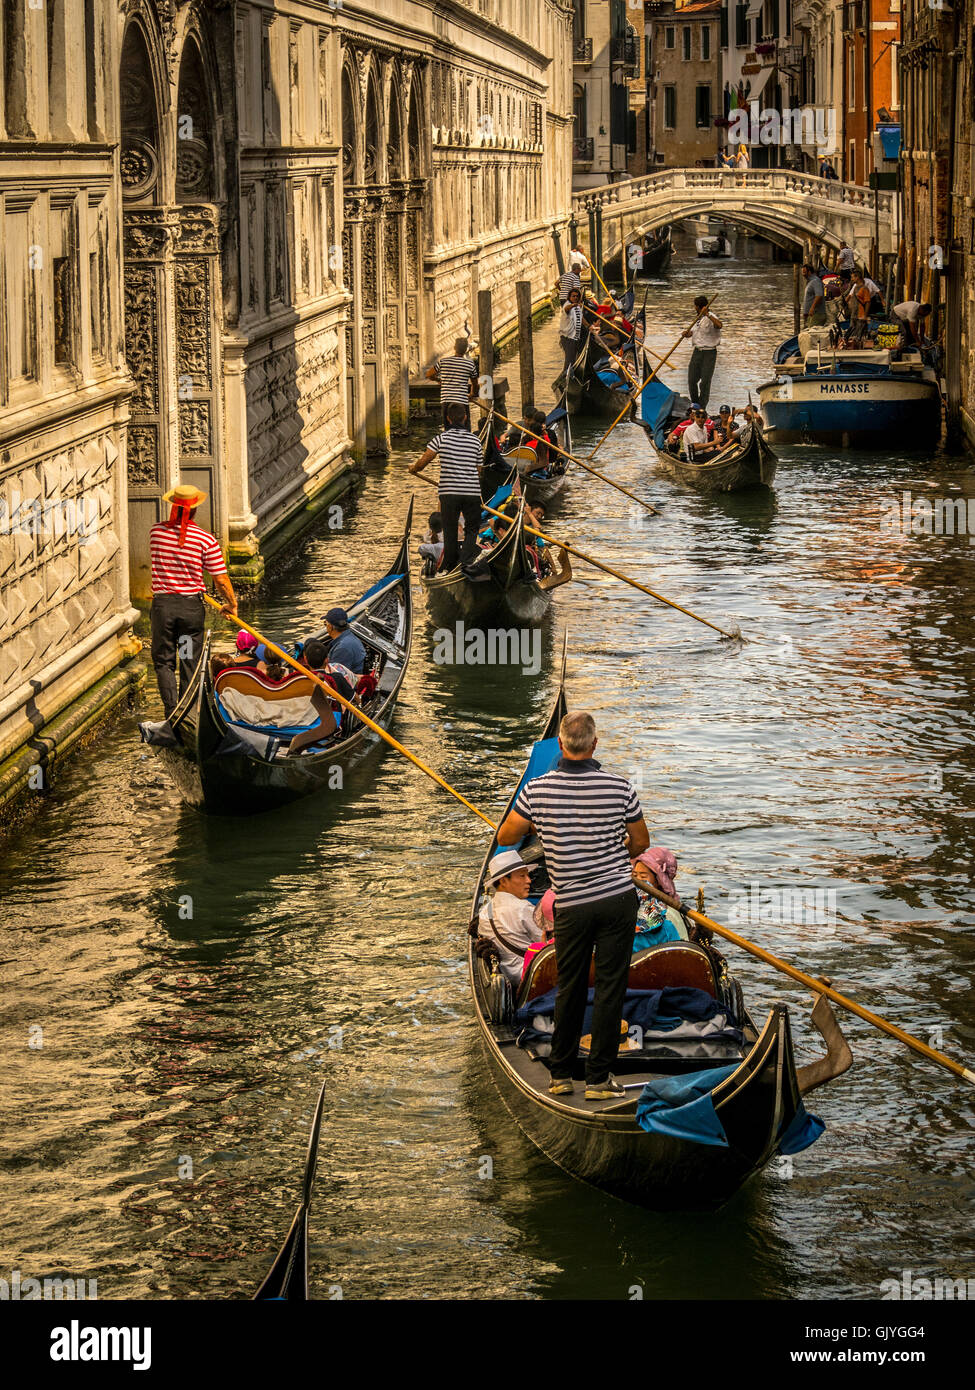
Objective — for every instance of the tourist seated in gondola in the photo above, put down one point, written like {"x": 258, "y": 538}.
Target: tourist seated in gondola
{"x": 695, "y": 441}
{"x": 508, "y": 918}
{"x": 431, "y": 547}
{"x": 315, "y": 656}
{"x": 276, "y": 671}
{"x": 655, "y": 868}
{"x": 247, "y": 653}
{"x": 544, "y": 917}
{"x": 725, "y": 428}
{"x": 346, "y": 648}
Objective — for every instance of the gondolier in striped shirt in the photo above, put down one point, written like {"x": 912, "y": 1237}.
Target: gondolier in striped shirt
{"x": 460, "y": 485}
{"x": 569, "y": 280}
{"x": 180, "y": 552}
{"x": 458, "y": 380}
{"x": 581, "y": 814}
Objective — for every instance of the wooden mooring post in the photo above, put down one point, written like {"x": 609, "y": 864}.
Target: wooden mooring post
{"x": 526, "y": 349}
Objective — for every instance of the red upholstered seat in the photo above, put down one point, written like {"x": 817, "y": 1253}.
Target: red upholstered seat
{"x": 250, "y": 682}
{"x": 677, "y": 965}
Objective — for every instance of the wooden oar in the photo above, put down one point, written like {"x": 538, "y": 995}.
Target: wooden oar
{"x": 651, "y": 377}
{"x": 819, "y": 987}
{"x": 347, "y": 704}
{"x": 607, "y": 569}
{"x": 572, "y": 459}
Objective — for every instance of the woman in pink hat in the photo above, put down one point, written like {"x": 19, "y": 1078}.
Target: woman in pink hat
{"x": 655, "y": 868}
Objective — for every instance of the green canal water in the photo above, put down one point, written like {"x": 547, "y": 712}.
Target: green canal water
{"x": 176, "y": 988}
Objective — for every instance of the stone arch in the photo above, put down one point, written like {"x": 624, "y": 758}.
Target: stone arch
{"x": 351, "y": 160}
{"x": 142, "y": 104}
{"x": 374, "y": 152}
{"x": 396, "y": 154}
{"x": 414, "y": 138}
{"x": 196, "y": 173}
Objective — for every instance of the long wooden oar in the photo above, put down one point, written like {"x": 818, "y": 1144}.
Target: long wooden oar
{"x": 820, "y": 988}
{"x": 572, "y": 458}
{"x": 652, "y": 377}
{"x": 591, "y": 560}
{"x": 347, "y": 704}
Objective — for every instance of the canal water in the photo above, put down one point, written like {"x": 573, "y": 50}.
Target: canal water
{"x": 176, "y": 988}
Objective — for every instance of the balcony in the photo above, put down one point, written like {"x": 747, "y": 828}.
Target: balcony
{"x": 624, "y": 51}
{"x": 582, "y": 51}
{"x": 582, "y": 149}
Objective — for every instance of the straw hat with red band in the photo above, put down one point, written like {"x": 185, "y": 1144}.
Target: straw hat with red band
{"x": 183, "y": 499}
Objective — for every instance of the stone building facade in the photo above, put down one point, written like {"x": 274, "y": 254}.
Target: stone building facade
{"x": 608, "y": 94}
{"x": 231, "y": 233}
{"x": 685, "y": 92}
{"x": 937, "y": 91}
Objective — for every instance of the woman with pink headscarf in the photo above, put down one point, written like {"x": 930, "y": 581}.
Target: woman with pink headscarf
{"x": 655, "y": 868}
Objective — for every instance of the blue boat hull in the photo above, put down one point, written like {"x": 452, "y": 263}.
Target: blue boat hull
{"x": 867, "y": 412}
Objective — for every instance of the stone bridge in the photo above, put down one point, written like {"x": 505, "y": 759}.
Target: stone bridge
{"x": 787, "y": 207}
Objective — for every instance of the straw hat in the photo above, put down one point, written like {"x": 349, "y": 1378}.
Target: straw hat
{"x": 185, "y": 496}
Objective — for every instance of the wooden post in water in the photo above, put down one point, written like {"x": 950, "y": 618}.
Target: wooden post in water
{"x": 485, "y": 338}
{"x": 526, "y": 353}
{"x": 795, "y": 296}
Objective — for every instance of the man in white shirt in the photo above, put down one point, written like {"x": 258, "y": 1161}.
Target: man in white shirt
{"x": 577, "y": 259}
{"x": 846, "y": 260}
{"x": 695, "y": 440}
{"x": 705, "y": 334}
{"x": 508, "y": 918}
{"x": 912, "y": 316}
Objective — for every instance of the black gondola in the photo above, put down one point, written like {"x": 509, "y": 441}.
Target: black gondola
{"x": 546, "y": 485}
{"x": 233, "y": 766}
{"x": 745, "y": 463}
{"x": 757, "y": 1101}
{"x": 506, "y": 586}
{"x": 287, "y": 1278}
{"x": 657, "y": 249}
{"x": 585, "y": 392}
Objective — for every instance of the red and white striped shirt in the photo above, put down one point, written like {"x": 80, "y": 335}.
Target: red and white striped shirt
{"x": 178, "y": 569}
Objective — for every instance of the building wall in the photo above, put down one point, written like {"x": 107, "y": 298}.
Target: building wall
{"x": 678, "y": 140}
{"x": 604, "y": 82}
{"x": 64, "y": 610}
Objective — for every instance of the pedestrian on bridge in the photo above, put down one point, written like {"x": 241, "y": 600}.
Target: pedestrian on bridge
{"x": 705, "y": 334}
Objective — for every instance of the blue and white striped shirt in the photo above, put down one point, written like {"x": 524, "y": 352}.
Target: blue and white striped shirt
{"x": 581, "y": 814}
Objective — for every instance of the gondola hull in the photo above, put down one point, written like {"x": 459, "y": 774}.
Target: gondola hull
{"x": 509, "y": 590}
{"x": 602, "y": 1142}
{"x": 215, "y": 765}
{"x": 752, "y": 465}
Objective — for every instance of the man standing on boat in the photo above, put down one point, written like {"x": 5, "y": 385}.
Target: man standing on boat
{"x": 460, "y": 483}
{"x": 180, "y": 552}
{"x": 581, "y": 815}
{"x": 705, "y": 335}
{"x": 458, "y": 380}
{"x": 814, "y": 299}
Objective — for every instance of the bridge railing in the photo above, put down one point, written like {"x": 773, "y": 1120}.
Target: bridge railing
{"x": 785, "y": 183}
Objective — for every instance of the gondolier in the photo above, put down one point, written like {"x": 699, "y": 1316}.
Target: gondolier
{"x": 458, "y": 380}
{"x": 705, "y": 334}
{"x": 460, "y": 484}
{"x": 180, "y": 552}
{"x": 570, "y": 328}
{"x": 581, "y": 815}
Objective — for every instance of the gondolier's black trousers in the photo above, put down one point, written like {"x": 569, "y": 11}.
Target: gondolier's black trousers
{"x": 606, "y": 926}
{"x": 700, "y": 370}
{"x": 571, "y": 348}
{"x": 451, "y": 508}
{"x": 176, "y": 623}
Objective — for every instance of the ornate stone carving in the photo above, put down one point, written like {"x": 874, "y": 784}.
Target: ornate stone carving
{"x": 369, "y": 336}
{"x": 370, "y": 270}
{"x": 194, "y": 428}
{"x": 138, "y": 168}
{"x": 193, "y": 166}
{"x": 143, "y": 461}
{"x": 148, "y": 235}
{"x": 193, "y": 321}
{"x": 412, "y": 253}
{"x": 198, "y": 229}
{"x": 140, "y": 335}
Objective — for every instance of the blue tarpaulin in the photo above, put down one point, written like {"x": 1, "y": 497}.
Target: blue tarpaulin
{"x": 657, "y": 404}
{"x": 890, "y": 140}
{"x": 681, "y": 1106}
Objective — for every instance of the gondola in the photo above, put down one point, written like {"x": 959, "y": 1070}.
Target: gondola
{"x": 506, "y": 585}
{"x": 756, "y": 1094}
{"x": 657, "y": 249}
{"x": 745, "y": 463}
{"x": 287, "y": 1278}
{"x": 586, "y": 393}
{"x": 223, "y": 762}
{"x": 545, "y": 486}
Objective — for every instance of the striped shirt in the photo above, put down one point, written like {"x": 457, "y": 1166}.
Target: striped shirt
{"x": 568, "y": 280}
{"x": 178, "y": 569}
{"x": 460, "y": 456}
{"x": 581, "y": 814}
{"x": 570, "y": 321}
{"x": 456, "y": 374}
